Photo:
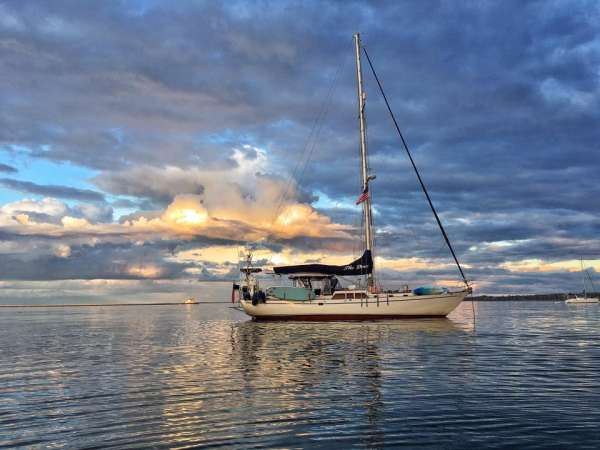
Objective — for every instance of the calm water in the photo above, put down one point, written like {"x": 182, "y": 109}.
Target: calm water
{"x": 204, "y": 375}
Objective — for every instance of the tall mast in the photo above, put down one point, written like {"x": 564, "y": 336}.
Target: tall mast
{"x": 363, "y": 153}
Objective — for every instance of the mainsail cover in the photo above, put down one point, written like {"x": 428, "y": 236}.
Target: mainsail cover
{"x": 362, "y": 266}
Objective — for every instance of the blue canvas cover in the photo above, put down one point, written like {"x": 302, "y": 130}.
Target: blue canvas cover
{"x": 292, "y": 293}
{"x": 430, "y": 290}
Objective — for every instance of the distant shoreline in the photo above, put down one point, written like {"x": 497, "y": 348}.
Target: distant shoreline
{"x": 533, "y": 297}
{"x": 90, "y": 305}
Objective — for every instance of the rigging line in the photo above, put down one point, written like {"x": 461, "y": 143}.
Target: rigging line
{"x": 589, "y": 278}
{"x": 313, "y": 135}
{"x": 326, "y": 107}
{"x": 439, "y": 222}
{"x": 291, "y": 177}
{"x": 591, "y": 282}
{"x": 474, "y": 314}
{"x": 290, "y": 180}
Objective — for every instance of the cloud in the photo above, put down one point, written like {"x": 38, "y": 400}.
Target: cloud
{"x": 195, "y": 143}
{"x": 52, "y": 190}
{"x": 238, "y": 205}
{"x": 240, "y": 173}
{"x": 240, "y": 196}
{"x": 94, "y": 212}
{"x": 7, "y": 169}
{"x": 47, "y": 206}
{"x": 187, "y": 217}
{"x": 51, "y": 210}
{"x": 101, "y": 261}
{"x": 538, "y": 265}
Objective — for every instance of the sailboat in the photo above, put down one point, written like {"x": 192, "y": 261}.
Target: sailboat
{"x": 585, "y": 298}
{"x": 316, "y": 292}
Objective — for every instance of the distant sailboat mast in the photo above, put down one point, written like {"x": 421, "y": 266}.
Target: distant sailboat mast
{"x": 363, "y": 155}
{"x": 583, "y": 278}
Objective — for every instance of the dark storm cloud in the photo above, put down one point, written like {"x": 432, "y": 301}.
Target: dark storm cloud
{"x": 52, "y": 190}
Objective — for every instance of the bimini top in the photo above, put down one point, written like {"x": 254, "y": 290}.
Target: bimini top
{"x": 362, "y": 266}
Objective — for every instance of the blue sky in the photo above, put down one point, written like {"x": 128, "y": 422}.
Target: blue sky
{"x": 147, "y": 141}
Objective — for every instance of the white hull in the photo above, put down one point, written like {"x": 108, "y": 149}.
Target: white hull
{"x": 382, "y": 306}
{"x": 581, "y": 300}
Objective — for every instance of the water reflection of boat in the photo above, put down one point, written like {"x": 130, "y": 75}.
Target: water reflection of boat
{"x": 297, "y": 367}
{"x": 282, "y": 343}
{"x": 317, "y": 293}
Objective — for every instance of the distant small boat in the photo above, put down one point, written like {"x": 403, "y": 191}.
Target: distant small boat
{"x": 191, "y": 301}
{"x": 581, "y": 300}
{"x": 585, "y": 298}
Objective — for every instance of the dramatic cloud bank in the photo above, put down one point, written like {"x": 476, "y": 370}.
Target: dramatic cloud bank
{"x": 142, "y": 144}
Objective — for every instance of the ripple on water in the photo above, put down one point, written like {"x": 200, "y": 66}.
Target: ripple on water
{"x": 203, "y": 375}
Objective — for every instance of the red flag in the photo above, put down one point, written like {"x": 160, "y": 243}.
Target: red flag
{"x": 363, "y": 197}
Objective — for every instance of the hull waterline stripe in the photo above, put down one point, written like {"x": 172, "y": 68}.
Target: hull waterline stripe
{"x": 344, "y": 317}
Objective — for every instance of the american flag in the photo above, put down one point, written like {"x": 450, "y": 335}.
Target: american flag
{"x": 363, "y": 196}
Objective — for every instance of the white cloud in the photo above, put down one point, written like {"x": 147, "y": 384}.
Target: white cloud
{"x": 49, "y": 206}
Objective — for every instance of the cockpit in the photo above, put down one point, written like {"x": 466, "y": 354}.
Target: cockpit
{"x": 320, "y": 284}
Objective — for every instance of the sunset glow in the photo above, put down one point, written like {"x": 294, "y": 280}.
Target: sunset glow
{"x": 188, "y": 216}
{"x": 538, "y": 265}
{"x": 144, "y": 271}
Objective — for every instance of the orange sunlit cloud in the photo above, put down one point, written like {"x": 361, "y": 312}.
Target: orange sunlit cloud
{"x": 408, "y": 264}
{"x": 144, "y": 271}
{"x": 539, "y": 265}
{"x": 186, "y": 217}
{"x": 222, "y": 254}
